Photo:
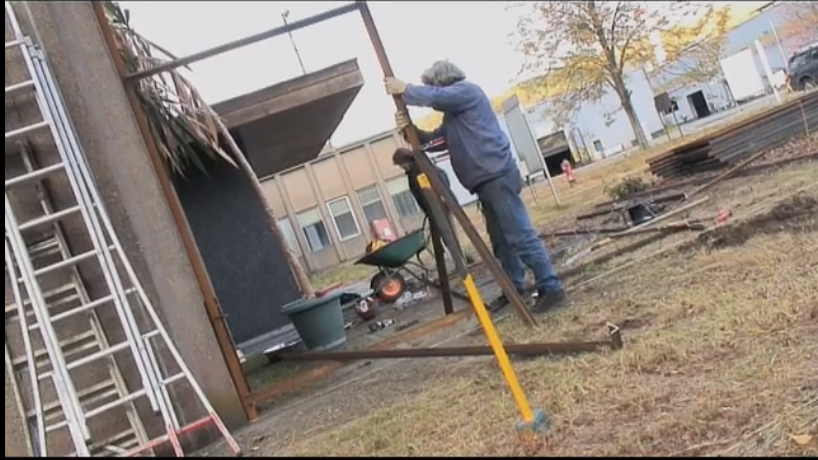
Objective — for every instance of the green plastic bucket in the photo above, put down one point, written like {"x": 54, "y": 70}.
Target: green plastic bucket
{"x": 319, "y": 321}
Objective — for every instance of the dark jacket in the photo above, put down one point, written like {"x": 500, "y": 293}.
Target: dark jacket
{"x": 479, "y": 149}
{"x": 417, "y": 192}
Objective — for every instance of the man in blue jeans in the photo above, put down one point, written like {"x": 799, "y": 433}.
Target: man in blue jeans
{"x": 482, "y": 160}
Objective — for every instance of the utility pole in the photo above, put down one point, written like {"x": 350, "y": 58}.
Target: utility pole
{"x": 284, "y": 17}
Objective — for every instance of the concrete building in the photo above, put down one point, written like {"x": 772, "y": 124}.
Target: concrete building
{"x": 742, "y": 64}
{"x": 602, "y": 128}
{"x": 163, "y": 229}
{"x": 325, "y": 207}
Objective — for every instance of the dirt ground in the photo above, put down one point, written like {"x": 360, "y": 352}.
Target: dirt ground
{"x": 720, "y": 356}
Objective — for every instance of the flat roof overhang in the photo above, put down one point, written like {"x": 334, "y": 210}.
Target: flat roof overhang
{"x": 288, "y": 124}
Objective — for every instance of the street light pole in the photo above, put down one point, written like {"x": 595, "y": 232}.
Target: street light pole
{"x": 284, "y": 17}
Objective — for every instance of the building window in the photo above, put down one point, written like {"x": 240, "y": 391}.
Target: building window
{"x": 287, "y": 232}
{"x": 315, "y": 232}
{"x": 344, "y": 218}
{"x": 371, "y": 203}
{"x": 598, "y": 146}
{"x": 402, "y": 198}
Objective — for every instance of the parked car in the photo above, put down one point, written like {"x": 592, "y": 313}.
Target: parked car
{"x": 803, "y": 66}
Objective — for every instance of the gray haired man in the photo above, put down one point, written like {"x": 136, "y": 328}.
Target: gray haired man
{"x": 482, "y": 160}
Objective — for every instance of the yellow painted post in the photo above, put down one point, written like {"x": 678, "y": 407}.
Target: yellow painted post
{"x": 531, "y": 421}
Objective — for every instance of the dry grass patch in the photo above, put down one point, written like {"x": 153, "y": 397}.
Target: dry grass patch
{"x": 717, "y": 348}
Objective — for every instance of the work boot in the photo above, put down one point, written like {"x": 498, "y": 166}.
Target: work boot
{"x": 501, "y": 302}
{"x": 549, "y": 300}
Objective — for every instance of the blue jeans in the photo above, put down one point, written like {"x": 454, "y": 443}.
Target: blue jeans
{"x": 513, "y": 239}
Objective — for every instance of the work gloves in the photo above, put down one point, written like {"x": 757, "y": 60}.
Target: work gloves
{"x": 401, "y": 120}
{"x": 394, "y": 87}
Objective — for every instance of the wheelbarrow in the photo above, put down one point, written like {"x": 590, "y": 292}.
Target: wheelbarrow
{"x": 388, "y": 284}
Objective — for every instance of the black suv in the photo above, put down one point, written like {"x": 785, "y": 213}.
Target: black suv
{"x": 804, "y": 68}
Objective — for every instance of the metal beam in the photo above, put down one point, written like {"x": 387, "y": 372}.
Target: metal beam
{"x": 221, "y": 49}
{"x": 532, "y": 349}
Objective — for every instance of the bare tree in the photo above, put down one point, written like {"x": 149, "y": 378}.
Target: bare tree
{"x": 579, "y": 50}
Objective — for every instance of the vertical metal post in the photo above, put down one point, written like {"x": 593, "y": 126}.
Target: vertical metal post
{"x": 440, "y": 190}
{"x": 442, "y": 274}
{"x": 284, "y": 17}
{"x": 434, "y": 189}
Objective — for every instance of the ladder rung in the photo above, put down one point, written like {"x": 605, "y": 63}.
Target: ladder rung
{"x": 120, "y": 402}
{"x": 49, "y": 218}
{"x": 74, "y": 344}
{"x": 118, "y": 444}
{"x": 131, "y": 397}
{"x": 82, "y": 308}
{"x": 19, "y": 134}
{"x": 14, "y": 43}
{"x": 66, "y": 263}
{"x": 44, "y": 248}
{"x": 16, "y": 88}
{"x": 110, "y": 350}
{"x": 33, "y": 175}
{"x": 98, "y": 355}
{"x": 62, "y": 290}
{"x": 53, "y": 410}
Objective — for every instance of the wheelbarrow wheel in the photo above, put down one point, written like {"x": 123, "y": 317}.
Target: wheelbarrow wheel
{"x": 388, "y": 287}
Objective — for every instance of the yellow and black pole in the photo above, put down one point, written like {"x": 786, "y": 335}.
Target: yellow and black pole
{"x": 532, "y": 421}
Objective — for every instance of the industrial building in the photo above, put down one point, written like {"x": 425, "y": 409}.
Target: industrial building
{"x": 751, "y": 49}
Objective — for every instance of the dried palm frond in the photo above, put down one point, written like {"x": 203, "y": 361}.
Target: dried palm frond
{"x": 186, "y": 129}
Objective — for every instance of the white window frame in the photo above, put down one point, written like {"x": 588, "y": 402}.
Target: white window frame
{"x": 304, "y": 233}
{"x": 402, "y": 188}
{"x": 379, "y": 200}
{"x": 292, "y": 240}
{"x": 351, "y": 212}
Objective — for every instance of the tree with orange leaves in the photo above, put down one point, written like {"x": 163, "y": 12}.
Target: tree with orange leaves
{"x": 577, "y": 51}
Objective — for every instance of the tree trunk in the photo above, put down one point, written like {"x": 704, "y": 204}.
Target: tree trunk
{"x": 630, "y": 111}
{"x": 300, "y": 275}
{"x": 636, "y": 125}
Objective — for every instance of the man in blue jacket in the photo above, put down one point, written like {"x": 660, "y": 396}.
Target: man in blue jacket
{"x": 482, "y": 160}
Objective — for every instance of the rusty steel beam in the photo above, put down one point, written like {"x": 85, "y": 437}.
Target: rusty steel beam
{"x": 614, "y": 342}
{"x": 246, "y": 41}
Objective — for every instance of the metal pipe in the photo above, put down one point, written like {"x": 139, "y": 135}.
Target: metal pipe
{"x": 284, "y": 17}
{"x": 221, "y": 49}
{"x": 531, "y": 349}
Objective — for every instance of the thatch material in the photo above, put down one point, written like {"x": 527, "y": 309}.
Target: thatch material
{"x": 184, "y": 126}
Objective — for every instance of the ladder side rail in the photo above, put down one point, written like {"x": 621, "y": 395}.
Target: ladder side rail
{"x": 15, "y": 24}
{"x": 64, "y": 387}
{"x": 40, "y": 446}
{"x": 47, "y": 108}
{"x": 79, "y": 165}
{"x": 143, "y": 297}
{"x": 133, "y": 417}
{"x": 79, "y": 170}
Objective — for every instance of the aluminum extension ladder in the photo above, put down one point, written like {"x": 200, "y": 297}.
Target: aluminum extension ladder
{"x": 58, "y": 357}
